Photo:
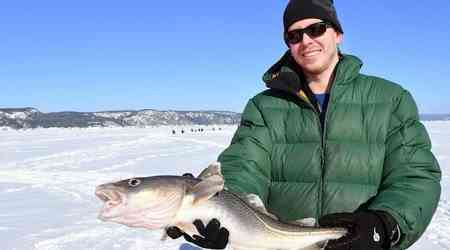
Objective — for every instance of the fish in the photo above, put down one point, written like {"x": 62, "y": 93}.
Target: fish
{"x": 159, "y": 202}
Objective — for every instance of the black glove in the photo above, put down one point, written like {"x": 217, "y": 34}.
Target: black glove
{"x": 367, "y": 230}
{"x": 212, "y": 237}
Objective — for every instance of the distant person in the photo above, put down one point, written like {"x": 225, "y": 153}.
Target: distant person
{"x": 328, "y": 142}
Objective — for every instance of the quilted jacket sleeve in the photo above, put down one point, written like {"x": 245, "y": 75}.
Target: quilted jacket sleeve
{"x": 410, "y": 187}
{"x": 246, "y": 162}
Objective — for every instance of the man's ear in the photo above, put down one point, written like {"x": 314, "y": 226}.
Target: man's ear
{"x": 339, "y": 38}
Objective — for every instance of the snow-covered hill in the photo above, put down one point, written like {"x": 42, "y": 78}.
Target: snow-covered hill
{"x": 18, "y": 118}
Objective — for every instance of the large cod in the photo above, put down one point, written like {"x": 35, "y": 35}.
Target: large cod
{"x": 158, "y": 202}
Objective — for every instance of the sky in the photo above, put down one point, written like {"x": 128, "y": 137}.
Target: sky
{"x": 199, "y": 55}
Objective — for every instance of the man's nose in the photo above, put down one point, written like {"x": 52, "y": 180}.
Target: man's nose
{"x": 306, "y": 39}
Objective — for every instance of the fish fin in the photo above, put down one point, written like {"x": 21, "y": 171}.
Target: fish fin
{"x": 255, "y": 202}
{"x": 188, "y": 228}
{"x": 321, "y": 245}
{"x": 212, "y": 182}
{"x": 212, "y": 169}
{"x": 164, "y": 235}
{"x": 245, "y": 248}
{"x": 312, "y": 247}
{"x": 305, "y": 222}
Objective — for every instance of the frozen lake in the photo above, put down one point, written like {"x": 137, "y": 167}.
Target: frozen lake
{"x": 48, "y": 178}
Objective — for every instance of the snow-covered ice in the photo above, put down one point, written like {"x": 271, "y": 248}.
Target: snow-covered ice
{"x": 48, "y": 178}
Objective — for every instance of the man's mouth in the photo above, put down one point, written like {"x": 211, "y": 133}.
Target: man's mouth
{"x": 311, "y": 53}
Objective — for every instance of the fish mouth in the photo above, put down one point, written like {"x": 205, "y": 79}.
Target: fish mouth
{"x": 112, "y": 199}
{"x": 109, "y": 196}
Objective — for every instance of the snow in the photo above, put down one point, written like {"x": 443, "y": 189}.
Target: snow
{"x": 115, "y": 115}
{"x": 48, "y": 177}
{"x": 20, "y": 115}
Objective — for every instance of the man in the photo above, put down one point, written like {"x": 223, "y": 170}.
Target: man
{"x": 328, "y": 142}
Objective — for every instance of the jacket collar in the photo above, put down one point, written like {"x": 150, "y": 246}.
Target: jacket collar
{"x": 285, "y": 74}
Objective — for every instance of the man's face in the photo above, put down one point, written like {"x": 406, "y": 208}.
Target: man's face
{"x": 315, "y": 55}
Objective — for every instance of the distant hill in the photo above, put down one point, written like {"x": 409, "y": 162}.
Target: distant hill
{"x": 435, "y": 117}
{"x": 18, "y": 118}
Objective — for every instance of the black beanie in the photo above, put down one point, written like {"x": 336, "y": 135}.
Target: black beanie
{"x": 301, "y": 9}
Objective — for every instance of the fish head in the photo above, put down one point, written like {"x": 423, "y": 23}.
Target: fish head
{"x": 155, "y": 202}
{"x": 149, "y": 202}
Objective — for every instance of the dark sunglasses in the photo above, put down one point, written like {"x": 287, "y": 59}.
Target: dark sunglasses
{"x": 314, "y": 30}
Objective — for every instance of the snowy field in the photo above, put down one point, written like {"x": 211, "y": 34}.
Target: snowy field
{"x": 48, "y": 177}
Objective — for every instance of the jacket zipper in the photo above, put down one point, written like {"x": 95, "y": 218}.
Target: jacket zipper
{"x": 324, "y": 146}
{"x": 323, "y": 133}
{"x": 322, "y": 153}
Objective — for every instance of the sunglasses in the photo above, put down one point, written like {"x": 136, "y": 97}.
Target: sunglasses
{"x": 314, "y": 30}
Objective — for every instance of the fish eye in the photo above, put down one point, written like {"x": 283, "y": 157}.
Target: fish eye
{"x": 134, "y": 182}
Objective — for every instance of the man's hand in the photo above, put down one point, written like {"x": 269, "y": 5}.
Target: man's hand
{"x": 367, "y": 230}
{"x": 212, "y": 236}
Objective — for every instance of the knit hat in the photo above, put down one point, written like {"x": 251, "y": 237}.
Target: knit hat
{"x": 301, "y": 9}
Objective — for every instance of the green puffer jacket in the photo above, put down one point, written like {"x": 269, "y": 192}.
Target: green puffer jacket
{"x": 372, "y": 151}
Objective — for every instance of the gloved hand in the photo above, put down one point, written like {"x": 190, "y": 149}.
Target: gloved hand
{"x": 212, "y": 236}
{"x": 367, "y": 230}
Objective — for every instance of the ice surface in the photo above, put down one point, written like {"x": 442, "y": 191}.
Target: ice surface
{"x": 48, "y": 177}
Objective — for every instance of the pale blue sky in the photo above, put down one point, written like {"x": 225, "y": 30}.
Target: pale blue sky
{"x": 195, "y": 55}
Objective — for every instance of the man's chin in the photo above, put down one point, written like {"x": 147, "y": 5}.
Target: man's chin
{"x": 312, "y": 69}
